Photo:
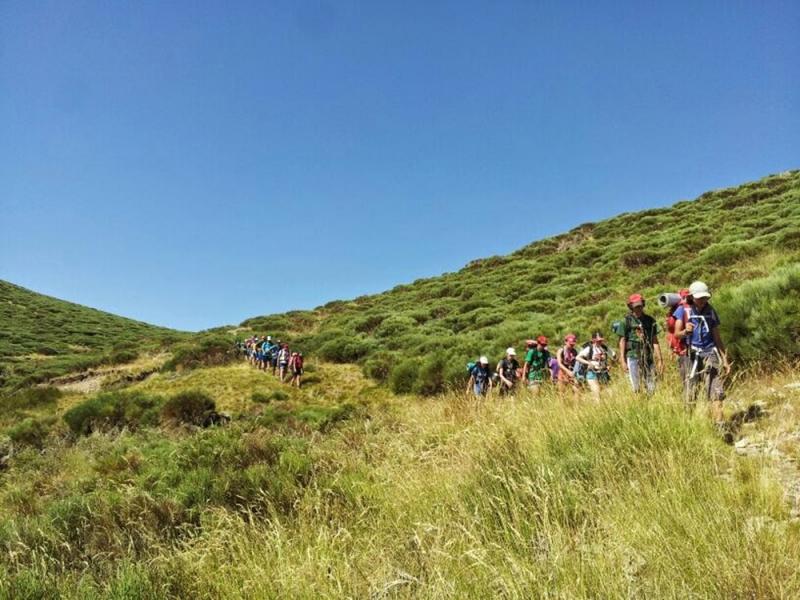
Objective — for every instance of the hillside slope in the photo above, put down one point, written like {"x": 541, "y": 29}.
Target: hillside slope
{"x": 576, "y": 281}
{"x": 43, "y": 337}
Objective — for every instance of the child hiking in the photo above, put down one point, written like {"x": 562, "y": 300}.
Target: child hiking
{"x": 639, "y": 350}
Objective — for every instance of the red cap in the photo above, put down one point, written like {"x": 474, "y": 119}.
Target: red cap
{"x": 635, "y": 299}
{"x": 541, "y": 340}
{"x": 684, "y": 292}
{"x": 571, "y": 337}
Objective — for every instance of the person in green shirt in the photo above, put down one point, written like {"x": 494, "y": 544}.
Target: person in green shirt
{"x": 639, "y": 350}
{"x": 537, "y": 361}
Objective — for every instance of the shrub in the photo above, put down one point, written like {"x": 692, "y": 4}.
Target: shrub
{"x": 122, "y": 356}
{"x": 761, "y": 318}
{"x": 30, "y": 398}
{"x": 379, "y": 366}
{"x": 30, "y": 432}
{"x": 431, "y": 376}
{"x": 404, "y": 376}
{"x": 207, "y": 352}
{"x": 192, "y": 408}
{"x": 345, "y": 349}
{"x": 111, "y": 410}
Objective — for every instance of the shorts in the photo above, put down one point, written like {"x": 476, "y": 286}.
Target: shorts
{"x": 283, "y": 364}
{"x": 297, "y": 371}
{"x": 273, "y": 361}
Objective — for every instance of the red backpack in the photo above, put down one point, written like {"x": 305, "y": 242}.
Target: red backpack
{"x": 677, "y": 345}
{"x": 298, "y": 362}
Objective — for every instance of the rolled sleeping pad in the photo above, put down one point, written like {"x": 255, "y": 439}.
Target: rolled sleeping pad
{"x": 669, "y": 300}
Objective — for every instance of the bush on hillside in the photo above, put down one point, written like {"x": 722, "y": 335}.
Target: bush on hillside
{"x": 404, "y": 376}
{"x": 379, "y": 366}
{"x": 191, "y": 408}
{"x": 30, "y": 398}
{"x": 345, "y": 349}
{"x": 113, "y": 410}
{"x": 431, "y": 377}
{"x": 210, "y": 351}
{"x": 761, "y": 318}
{"x": 31, "y": 432}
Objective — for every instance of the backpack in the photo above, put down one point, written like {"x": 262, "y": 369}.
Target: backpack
{"x": 677, "y": 345}
{"x": 471, "y": 367}
{"x": 580, "y": 369}
{"x": 298, "y": 362}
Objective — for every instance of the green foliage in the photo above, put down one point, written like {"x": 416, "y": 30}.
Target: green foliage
{"x": 266, "y": 398}
{"x": 205, "y": 350}
{"x": 761, "y": 318}
{"x": 404, "y": 376}
{"x": 344, "y": 349}
{"x": 191, "y": 408}
{"x": 113, "y": 410}
{"x": 379, "y": 366}
{"x": 31, "y": 431}
{"x": 30, "y": 398}
{"x": 430, "y": 378}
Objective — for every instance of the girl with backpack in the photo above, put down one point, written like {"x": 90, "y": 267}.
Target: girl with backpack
{"x": 566, "y": 363}
{"x": 296, "y": 366}
{"x": 595, "y": 358}
{"x": 283, "y": 361}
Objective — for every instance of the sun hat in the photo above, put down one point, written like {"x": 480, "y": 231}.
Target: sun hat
{"x": 699, "y": 290}
{"x": 484, "y": 360}
{"x": 542, "y": 340}
{"x": 511, "y": 352}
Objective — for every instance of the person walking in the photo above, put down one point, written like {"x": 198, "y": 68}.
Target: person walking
{"x": 639, "y": 350}
{"x": 537, "y": 364}
{"x": 565, "y": 356}
{"x": 296, "y": 368}
{"x": 480, "y": 378}
{"x": 594, "y": 357}
{"x": 677, "y": 345}
{"x": 283, "y": 362}
{"x": 699, "y": 325}
{"x": 507, "y": 370}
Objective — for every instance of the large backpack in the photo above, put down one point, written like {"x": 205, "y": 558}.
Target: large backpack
{"x": 580, "y": 369}
{"x": 677, "y": 345}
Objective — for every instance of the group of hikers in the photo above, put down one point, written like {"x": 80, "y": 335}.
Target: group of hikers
{"x": 692, "y": 333}
{"x": 266, "y": 355}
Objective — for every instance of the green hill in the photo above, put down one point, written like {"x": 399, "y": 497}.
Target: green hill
{"x": 43, "y": 337}
{"x": 576, "y": 281}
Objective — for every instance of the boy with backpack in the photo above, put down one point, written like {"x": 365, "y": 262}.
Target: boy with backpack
{"x": 537, "y": 364}
{"x": 677, "y": 345}
{"x": 507, "y": 372}
{"x": 699, "y": 324}
{"x": 480, "y": 378}
{"x": 639, "y": 350}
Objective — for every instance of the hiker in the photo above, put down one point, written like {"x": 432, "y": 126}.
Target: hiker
{"x": 594, "y": 361}
{"x": 283, "y": 361}
{"x": 273, "y": 356}
{"x": 565, "y": 357}
{"x": 507, "y": 372}
{"x": 699, "y": 323}
{"x": 536, "y": 367}
{"x": 639, "y": 350}
{"x": 296, "y": 367}
{"x": 253, "y": 350}
{"x": 678, "y": 345}
{"x": 480, "y": 378}
{"x": 266, "y": 349}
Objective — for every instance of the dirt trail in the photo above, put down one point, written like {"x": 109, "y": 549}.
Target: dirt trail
{"x": 92, "y": 380}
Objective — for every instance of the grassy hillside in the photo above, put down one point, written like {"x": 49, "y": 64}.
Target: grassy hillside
{"x": 43, "y": 337}
{"x": 572, "y": 282}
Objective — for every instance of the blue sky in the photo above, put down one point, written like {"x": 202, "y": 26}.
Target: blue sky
{"x": 193, "y": 164}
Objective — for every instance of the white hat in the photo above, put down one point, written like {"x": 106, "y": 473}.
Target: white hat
{"x": 269, "y": 337}
{"x": 699, "y": 290}
{"x": 511, "y": 351}
{"x": 484, "y": 360}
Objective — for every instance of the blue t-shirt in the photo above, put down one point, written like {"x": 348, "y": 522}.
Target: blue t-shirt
{"x": 704, "y": 322}
{"x": 481, "y": 374}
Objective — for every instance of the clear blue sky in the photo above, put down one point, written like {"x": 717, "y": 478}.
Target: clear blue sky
{"x": 192, "y": 164}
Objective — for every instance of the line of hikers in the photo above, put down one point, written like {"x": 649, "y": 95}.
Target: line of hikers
{"x": 692, "y": 332}
{"x": 264, "y": 354}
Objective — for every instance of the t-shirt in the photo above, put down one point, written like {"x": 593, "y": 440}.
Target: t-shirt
{"x": 508, "y": 368}
{"x": 640, "y": 334}
{"x": 538, "y": 361}
{"x": 481, "y": 374}
{"x": 704, "y": 322}
{"x": 596, "y": 353}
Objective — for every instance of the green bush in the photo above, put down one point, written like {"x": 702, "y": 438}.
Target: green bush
{"x": 122, "y": 356}
{"x": 345, "y": 349}
{"x": 211, "y": 351}
{"x": 379, "y": 366}
{"x": 761, "y": 318}
{"x": 404, "y": 376}
{"x": 431, "y": 376}
{"x": 113, "y": 410}
{"x": 31, "y": 432}
{"x": 266, "y": 398}
{"x": 30, "y": 398}
{"x": 192, "y": 408}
